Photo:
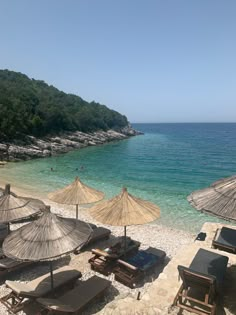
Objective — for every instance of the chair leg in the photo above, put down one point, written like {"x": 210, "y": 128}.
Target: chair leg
{"x": 177, "y": 295}
{"x": 13, "y": 303}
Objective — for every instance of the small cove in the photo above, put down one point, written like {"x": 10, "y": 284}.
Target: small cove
{"x": 164, "y": 165}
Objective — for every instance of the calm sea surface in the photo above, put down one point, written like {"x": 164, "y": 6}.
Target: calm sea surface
{"x": 163, "y": 166}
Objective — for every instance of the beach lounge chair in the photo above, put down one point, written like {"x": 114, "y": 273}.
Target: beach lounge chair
{"x": 225, "y": 239}
{"x": 75, "y": 300}
{"x": 131, "y": 270}
{"x": 22, "y": 293}
{"x": 104, "y": 260}
{"x": 98, "y": 233}
{"x": 202, "y": 280}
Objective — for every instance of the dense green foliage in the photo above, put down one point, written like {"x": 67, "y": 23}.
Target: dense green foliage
{"x": 33, "y": 107}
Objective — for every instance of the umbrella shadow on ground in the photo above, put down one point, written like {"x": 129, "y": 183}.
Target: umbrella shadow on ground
{"x": 35, "y": 270}
{"x": 229, "y": 290}
{"x": 153, "y": 273}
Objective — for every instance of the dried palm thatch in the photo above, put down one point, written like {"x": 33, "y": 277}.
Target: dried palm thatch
{"x": 125, "y": 209}
{"x": 76, "y": 193}
{"x": 219, "y": 199}
{"x": 47, "y": 238}
{"x": 13, "y": 208}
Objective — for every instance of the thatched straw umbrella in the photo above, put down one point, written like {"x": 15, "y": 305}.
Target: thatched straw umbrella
{"x": 47, "y": 238}
{"x": 14, "y": 208}
{"x": 125, "y": 209}
{"x": 219, "y": 199}
{"x": 76, "y": 194}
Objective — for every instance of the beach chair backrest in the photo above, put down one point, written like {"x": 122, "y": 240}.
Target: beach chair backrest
{"x": 195, "y": 279}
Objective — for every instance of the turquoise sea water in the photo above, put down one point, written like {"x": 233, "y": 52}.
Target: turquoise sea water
{"x": 164, "y": 165}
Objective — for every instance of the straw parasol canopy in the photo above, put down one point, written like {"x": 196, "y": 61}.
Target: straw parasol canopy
{"x": 13, "y": 208}
{"x": 219, "y": 199}
{"x": 47, "y": 238}
{"x": 76, "y": 193}
{"x": 125, "y": 209}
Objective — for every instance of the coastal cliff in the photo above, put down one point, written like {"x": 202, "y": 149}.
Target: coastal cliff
{"x": 38, "y": 120}
{"x": 33, "y": 147}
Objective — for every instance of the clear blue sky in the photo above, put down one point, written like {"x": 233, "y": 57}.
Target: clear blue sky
{"x": 154, "y": 61}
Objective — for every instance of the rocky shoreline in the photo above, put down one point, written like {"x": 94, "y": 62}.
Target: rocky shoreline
{"x": 33, "y": 147}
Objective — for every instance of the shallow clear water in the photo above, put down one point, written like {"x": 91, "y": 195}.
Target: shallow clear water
{"x": 163, "y": 166}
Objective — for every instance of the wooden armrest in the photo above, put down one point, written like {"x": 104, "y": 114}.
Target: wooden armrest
{"x": 124, "y": 263}
{"x": 100, "y": 252}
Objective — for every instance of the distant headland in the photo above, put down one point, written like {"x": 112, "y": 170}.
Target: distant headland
{"x": 38, "y": 120}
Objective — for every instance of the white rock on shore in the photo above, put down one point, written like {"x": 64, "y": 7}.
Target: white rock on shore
{"x": 34, "y": 147}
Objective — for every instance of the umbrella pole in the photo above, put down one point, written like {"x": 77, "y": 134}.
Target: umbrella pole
{"x": 51, "y": 272}
{"x": 77, "y": 211}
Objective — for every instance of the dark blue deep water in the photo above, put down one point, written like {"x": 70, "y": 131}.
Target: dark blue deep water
{"x": 164, "y": 165}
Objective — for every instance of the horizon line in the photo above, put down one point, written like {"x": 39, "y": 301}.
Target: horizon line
{"x": 186, "y": 122}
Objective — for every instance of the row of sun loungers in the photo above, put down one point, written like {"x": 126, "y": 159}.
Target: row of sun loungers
{"x": 201, "y": 281}
{"x": 40, "y": 287}
{"x": 72, "y": 301}
{"x": 104, "y": 261}
{"x": 129, "y": 266}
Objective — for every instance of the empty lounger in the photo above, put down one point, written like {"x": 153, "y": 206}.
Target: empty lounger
{"x": 77, "y": 299}
{"x": 38, "y": 287}
{"x": 202, "y": 280}
{"x": 129, "y": 271}
{"x": 225, "y": 239}
{"x": 104, "y": 260}
{"x": 98, "y": 234}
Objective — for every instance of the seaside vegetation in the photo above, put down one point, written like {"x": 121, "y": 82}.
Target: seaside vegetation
{"x": 32, "y": 107}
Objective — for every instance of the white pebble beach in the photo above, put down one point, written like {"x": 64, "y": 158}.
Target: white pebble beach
{"x": 154, "y": 235}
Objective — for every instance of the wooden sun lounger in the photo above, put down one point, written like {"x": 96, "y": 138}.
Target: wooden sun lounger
{"x": 104, "y": 261}
{"x": 201, "y": 282}
{"x": 99, "y": 233}
{"x": 75, "y": 300}
{"x": 225, "y": 239}
{"x": 131, "y": 270}
{"x": 37, "y": 288}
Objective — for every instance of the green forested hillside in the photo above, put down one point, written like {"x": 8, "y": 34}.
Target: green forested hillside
{"x": 32, "y": 107}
